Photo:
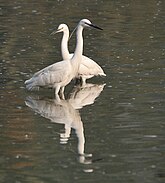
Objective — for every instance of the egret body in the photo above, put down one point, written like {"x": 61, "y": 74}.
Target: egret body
{"x": 59, "y": 74}
{"x": 88, "y": 68}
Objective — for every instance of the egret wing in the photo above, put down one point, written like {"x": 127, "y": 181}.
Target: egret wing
{"x": 88, "y": 66}
{"x": 50, "y": 75}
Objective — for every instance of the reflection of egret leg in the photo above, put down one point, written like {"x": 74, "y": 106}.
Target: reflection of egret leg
{"x": 62, "y": 93}
{"x": 83, "y": 81}
{"x": 65, "y": 136}
{"x": 58, "y": 98}
{"x": 57, "y": 90}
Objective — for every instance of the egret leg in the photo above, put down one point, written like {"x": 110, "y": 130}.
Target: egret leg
{"x": 62, "y": 93}
{"x": 57, "y": 89}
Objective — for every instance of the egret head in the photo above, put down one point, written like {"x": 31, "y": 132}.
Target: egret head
{"x": 61, "y": 28}
{"x": 87, "y": 23}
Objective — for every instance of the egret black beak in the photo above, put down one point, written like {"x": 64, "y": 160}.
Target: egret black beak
{"x": 94, "y": 26}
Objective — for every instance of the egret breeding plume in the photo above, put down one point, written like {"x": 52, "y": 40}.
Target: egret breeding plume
{"x": 59, "y": 74}
{"x": 88, "y": 68}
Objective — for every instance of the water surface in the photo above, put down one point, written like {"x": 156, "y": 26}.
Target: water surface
{"x": 118, "y": 126}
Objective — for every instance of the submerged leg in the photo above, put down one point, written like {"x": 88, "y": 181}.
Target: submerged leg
{"x": 62, "y": 93}
{"x": 62, "y": 89}
{"x": 58, "y": 98}
{"x": 57, "y": 89}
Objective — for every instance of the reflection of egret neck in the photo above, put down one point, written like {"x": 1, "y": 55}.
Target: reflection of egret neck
{"x": 65, "y": 112}
{"x": 80, "y": 135}
{"x": 61, "y": 112}
{"x": 77, "y": 125}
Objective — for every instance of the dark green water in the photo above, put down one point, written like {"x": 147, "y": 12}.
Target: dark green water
{"x": 119, "y": 126}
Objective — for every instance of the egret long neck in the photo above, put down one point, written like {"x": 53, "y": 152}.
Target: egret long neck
{"x": 79, "y": 43}
{"x": 64, "y": 45}
{"x": 77, "y": 57}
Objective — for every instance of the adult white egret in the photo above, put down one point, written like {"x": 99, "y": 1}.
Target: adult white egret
{"x": 88, "y": 68}
{"x": 60, "y": 74}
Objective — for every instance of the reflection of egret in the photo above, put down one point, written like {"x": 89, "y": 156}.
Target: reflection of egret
{"x": 60, "y": 74}
{"x": 85, "y": 95}
{"x": 88, "y": 68}
{"x": 63, "y": 112}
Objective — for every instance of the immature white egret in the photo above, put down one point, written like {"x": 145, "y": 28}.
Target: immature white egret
{"x": 60, "y": 74}
{"x": 88, "y": 68}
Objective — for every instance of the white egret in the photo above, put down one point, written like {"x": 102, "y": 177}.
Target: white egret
{"x": 88, "y": 68}
{"x": 60, "y": 74}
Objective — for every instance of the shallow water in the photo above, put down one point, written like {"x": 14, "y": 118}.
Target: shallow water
{"x": 119, "y": 126}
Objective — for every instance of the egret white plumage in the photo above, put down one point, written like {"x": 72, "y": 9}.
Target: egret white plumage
{"x": 59, "y": 74}
{"x": 88, "y": 68}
